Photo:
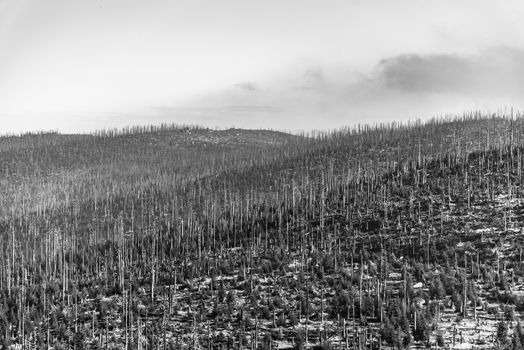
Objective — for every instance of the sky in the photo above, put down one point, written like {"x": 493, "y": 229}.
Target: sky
{"x": 77, "y": 66}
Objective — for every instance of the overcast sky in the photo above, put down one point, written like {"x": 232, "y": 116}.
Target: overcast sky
{"x": 76, "y": 65}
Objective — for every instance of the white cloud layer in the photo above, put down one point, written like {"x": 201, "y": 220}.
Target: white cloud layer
{"x": 399, "y": 87}
{"x": 80, "y": 65}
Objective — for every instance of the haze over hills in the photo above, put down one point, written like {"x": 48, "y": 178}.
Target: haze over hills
{"x": 77, "y": 66}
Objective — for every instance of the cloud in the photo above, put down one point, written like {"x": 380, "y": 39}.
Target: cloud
{"x": 492, "y": 72}
{"x": 399, "y": 87}
{"x": 247, "y": 87}
{"x": 414, "y": 73}
{"x": 325, "y": 96}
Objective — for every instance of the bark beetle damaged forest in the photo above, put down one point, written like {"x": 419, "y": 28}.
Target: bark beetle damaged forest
{"x": 386, "y": 236}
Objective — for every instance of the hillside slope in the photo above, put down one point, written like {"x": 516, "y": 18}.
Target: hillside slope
{"x": 398, "y": 235}
{"x": 41, "y": 170}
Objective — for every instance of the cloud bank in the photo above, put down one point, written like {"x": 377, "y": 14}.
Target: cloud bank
{"x": 399, "y": 87}
{"x": 495, "y": 72}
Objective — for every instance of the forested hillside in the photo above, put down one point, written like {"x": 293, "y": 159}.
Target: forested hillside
{"x": 181, "y": 237}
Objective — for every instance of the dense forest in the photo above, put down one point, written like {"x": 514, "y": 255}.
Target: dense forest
{"x": 385, "y": 236}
